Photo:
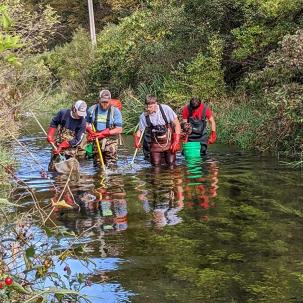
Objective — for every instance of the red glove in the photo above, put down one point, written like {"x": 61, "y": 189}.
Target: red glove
{"x": 89, "y": 130}
{"x": 51, "y": 135}
{"x": 175, "y": 145}
{"x": 65, "y": 144}
{"x": 212, "y": 138}
{"x": 137, "y": 141}
{"x": 91, "y": 134}
{"x": 103, "y": 134}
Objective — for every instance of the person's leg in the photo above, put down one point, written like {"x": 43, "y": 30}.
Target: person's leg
{"x": 155, "y": 158}
{"x": 53, "y": 160}
{"x": 170, "y": 158}
{"x": 110, "y": 155}
{"x": 203, "y": 151}
{"x": 146, "y": 145}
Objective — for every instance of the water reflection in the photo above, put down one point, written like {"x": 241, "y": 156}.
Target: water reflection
{"x": 201, "y": 184}
{"x": 164, "y": 193}
{"x": 191, "y": 234}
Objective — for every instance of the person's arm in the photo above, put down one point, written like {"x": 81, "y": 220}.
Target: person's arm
{"x": 117, "y": 123}
{"x": 213, "y": 135}
{"x": 185, "y": 114}
{"x": 90, "y": 117}
{"x": 53, "y": 127}
{"x": 212, "y": 124}
{"x": 177, "y": 127}
{"x": 115, "y": 131}
{"x": 57, "y": 119}
{"x": 138, "y": 134}
{"x": 175, "y": 146}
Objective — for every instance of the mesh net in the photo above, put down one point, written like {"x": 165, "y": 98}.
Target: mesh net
{"x": 66, "y": 166}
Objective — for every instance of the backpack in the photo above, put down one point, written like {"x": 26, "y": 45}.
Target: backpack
{"x": 117, "y": 103}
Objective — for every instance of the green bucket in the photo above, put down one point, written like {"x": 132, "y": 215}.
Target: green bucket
{"x": 191, "y": 150}
{"x": 89, "y": 150}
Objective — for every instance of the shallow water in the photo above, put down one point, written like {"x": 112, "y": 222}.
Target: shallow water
{"x": 228, "y": 229}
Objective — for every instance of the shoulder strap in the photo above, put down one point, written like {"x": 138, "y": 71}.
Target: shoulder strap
{"x": 109, "y": 112}
{"x": 190, "y": 111}
{"x": 148, "y": 122}
{"x": 203, "y": 116}
{"x": 204, "y": 112}
{"x": 163, "y": 114}
{"x": 95, "y": 112}
{"x": 108, "y": 116}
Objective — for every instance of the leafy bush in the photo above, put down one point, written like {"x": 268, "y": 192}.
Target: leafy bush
{"x": 35, "y": 28}
{"x": 71, "y": 63}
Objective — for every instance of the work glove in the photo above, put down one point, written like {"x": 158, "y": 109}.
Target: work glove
{"x": 89, "y": 130}
{"x": 91, "y": 134}
{"x": 175, "y": 145}
{"x": 51, "y": 135}
{"x": 65, "y": 144}
{"x": 137, "y": 141}
{"x": 212, "y": 138}
{"x": 103, "y": 134}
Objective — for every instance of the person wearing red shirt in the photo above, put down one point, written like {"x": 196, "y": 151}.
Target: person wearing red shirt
{"x": 194, "y": 115}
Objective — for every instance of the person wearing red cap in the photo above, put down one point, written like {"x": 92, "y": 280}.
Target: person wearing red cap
{"x": 66, "y": 131}
{"x": 194, "y": 117}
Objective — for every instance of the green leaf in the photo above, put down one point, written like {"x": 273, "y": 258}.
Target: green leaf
{"x": 6, "y": 21}
{"x": 19, "y": 288}
{"x": 48, "y": 231}
{"x": 30, "y": 252}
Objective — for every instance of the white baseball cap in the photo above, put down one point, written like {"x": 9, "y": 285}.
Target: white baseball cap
{"x": 80, "y": 107}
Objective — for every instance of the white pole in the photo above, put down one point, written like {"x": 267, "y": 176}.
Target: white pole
{"x": 92, "y": 22}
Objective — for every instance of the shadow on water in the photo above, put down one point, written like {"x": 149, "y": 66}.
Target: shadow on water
{"x": 225, "y": 229}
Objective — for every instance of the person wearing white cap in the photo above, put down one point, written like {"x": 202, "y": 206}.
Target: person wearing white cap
{"x": 66, "y": 131}
{"x": 107, "y": 121}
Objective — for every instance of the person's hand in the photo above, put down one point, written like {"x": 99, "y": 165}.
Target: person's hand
{"x": 186, "y": 127}
{"x": 91, "y": 137}
{"x": 212, "y": 138}
{"x": 175, "y": 146}
{"x": 51, "y": 135}
{"x": 65, "y": 144}
{"x": 137, "y": 141}
{"x": 103, "y": 134}
{"x": 89, "y": 130}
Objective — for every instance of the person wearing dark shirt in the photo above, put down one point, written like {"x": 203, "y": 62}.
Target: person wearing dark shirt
{"x": 195, "y": 115}
{"x": 66, "y": 131}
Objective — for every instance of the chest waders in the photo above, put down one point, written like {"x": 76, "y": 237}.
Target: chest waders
{"x": 109, "y": 145}
{"x": 148, "y": 134}
{"x": 69, "y": 163}
{"x": 199, "y": 132}
{"x": 157, "y": 141}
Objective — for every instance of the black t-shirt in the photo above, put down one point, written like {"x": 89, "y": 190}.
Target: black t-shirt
{"x": 65, "y": 120}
